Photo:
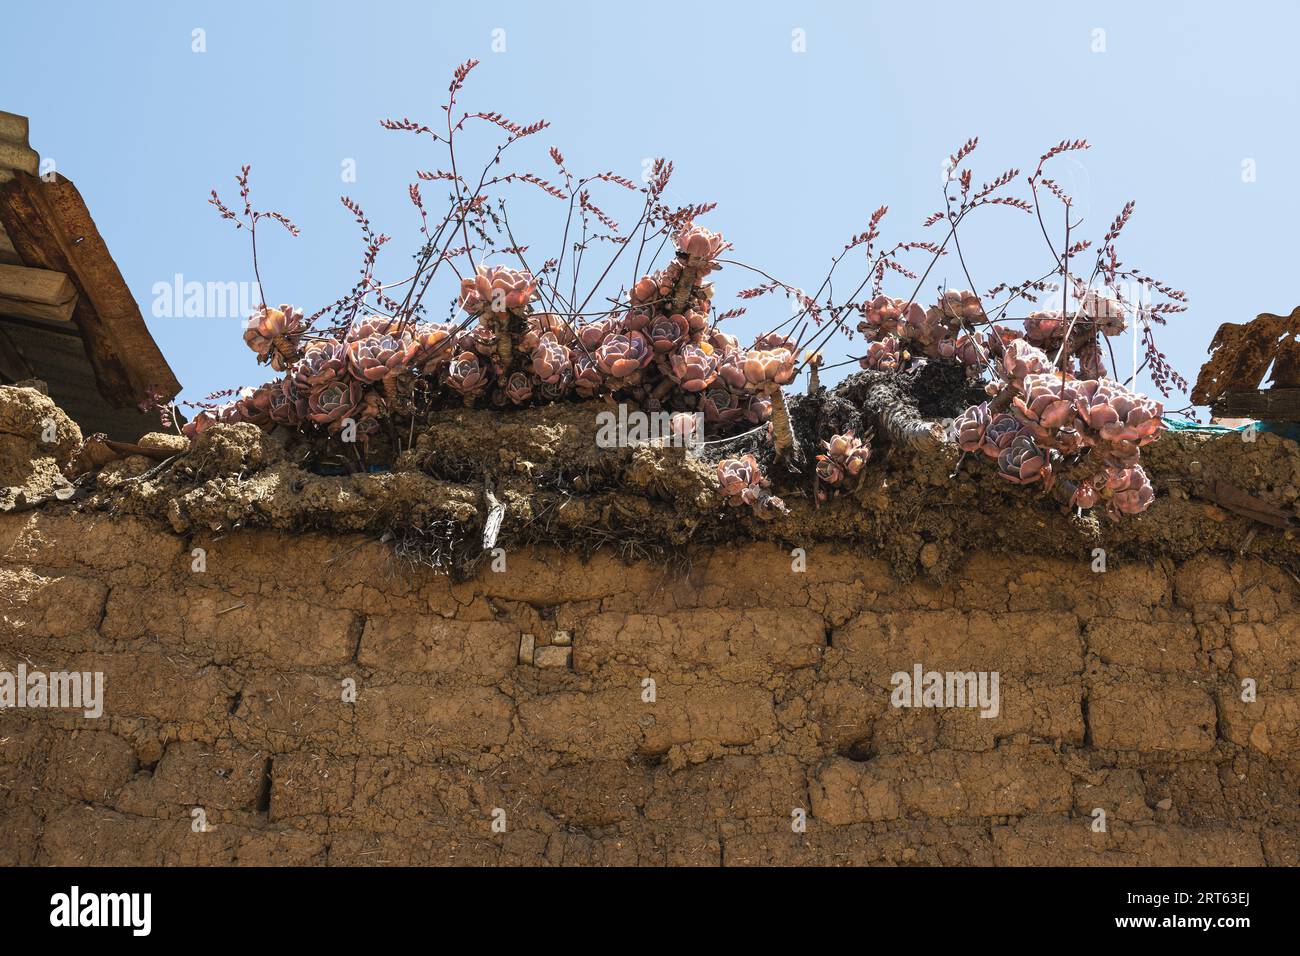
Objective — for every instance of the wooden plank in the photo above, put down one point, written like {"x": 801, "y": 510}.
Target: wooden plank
{"x": 52, "y": 229}
{"x": 23, "y": 308}
{"x": 8, "y": 254}
{"x": 1272, "y": 404}
{"x": 36, "y": 285}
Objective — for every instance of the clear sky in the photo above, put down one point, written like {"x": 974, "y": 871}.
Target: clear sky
{"x": 798, "y": 119}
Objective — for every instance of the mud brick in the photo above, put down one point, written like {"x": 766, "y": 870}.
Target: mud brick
{"x": 475, "y": 718}
{"x": 229, "y": 627}
{"x": 215, "y": 777}
{"x": 1034, "y": 841}
{"x": 1151, "y": 715}
{"x": 128, "y": 551}
{"x": 428, "y": 644}
{"x": 35, "y": 606}
{"x": 1270, "y": 725}
{"x": 1016, "y": 644}
{"x": 940, "y": 785}
{"x": 89, "y": 765}
{"x": 1158, "y": 646}
{"x": 739, "y": 645}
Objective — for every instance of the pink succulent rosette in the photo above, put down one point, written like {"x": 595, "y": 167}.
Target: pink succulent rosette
{"x": 429, "y": 348}
{"x": 968, "y": 428}
{"x": 550, "y": 359}
{"x": 321, "y": 362}
{"x": 519, "y": 388}
{"x": 769, "y": 368}
{"x": 742, "y": 483}
{"x": 274, "y": 334}
{"x": 497, "y": 289}
{"x": 692, "y": 368}
{"x": 721, "y": 406}
{"x": 698, "y": 243}
{"x": 467, "y": 375}
{"x": 1023, "y": 462}
{"x": 883, "y": 355}
{"x": 668, "y": 332}
{"x": 370, "y": 325}
{"x": 377, "y": 357}
{"x": 334, "y": 401}
{"x": 621, "y": 356}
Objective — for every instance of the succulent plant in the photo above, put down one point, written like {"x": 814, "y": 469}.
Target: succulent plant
{"x": 620, "y": 356}
{"x": 769, "y": 368}
{"x": 882, "y": 316}
{"x": 845, "y": 457}
{"x": 721, "y": 406}
{"x": 968, "y": 428}
{"x": 467, "y": 375}
{"x": 1023, "y": 462}
{"x": 1106, "y": 312}
{"x": 274, "y": 335}
{"x": 1115, "y": 420}
{"x": 1047, "y": 406}
{"x": 551, "y": 359}
{"x": 1129, "y": 491}
{"x": 497, "y": 289}
{"x": 371, "y": 325}
{"x": 546, "y": 323}
{"x": 1020, "y": 358}
{"x": 692, "y": 368}
{"x": 587, "y": 376}
{"x": 429, "y": 348}
{"x": 961, "y": 304}
{"x": 333, "y": 401}
{"x": 377, "y": 357}
{"x": 519, "y": 388}
{"x": 287, "y": 405}
{"x": 883, "y": 355}
{"x": 667, "y": 332}
{"x": 254, "y": 405}
{"x": 1001, "y": 431}
{"x": 758, "y": 409}
{"x": 322, "y": 362}
{"x": 965, "y": 349}
{"x": 592, "y": 334}
{"x": 1043, "y": 328}
{"x": 742, "y": 482}
{"x": 697, "y": 242}
{"x": 644, "y": 291}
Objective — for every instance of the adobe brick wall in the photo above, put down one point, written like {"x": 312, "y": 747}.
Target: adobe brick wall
{"x": 224, "y": 692}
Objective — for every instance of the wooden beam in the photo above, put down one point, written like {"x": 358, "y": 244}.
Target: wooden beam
{"x": 52, "y": 229}
{"x": 1271, "y": 404}
{"x": 25, "y": 308}
{"x": 36, "y": 285}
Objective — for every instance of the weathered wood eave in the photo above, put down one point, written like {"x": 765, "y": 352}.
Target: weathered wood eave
{"x": 51, "y": 228}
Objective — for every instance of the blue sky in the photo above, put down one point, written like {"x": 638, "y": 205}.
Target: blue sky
{"x": 797, "y": 148}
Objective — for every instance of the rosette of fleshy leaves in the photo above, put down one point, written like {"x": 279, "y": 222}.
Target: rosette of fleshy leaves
{"x": 429, "y": 348}
{"x": 496, "y": 289}
{"x": 743, "y": 484}
{"x": 1122, "y": 491}
{"x": 884, "y": 355}
{"x": 274, "y": 334}
{"x": 845, "y": 456}
{"x": 1116, "y": 421}
{"x": 468, "y": 375}
{"x": 378, "y": 357}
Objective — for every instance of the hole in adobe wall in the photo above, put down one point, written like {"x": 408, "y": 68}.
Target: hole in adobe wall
{"x": 649, "y": 758}
{"x": 235, "y": 702}
{"x": 860, "y": 750}
{"x": 264, "y": 794}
